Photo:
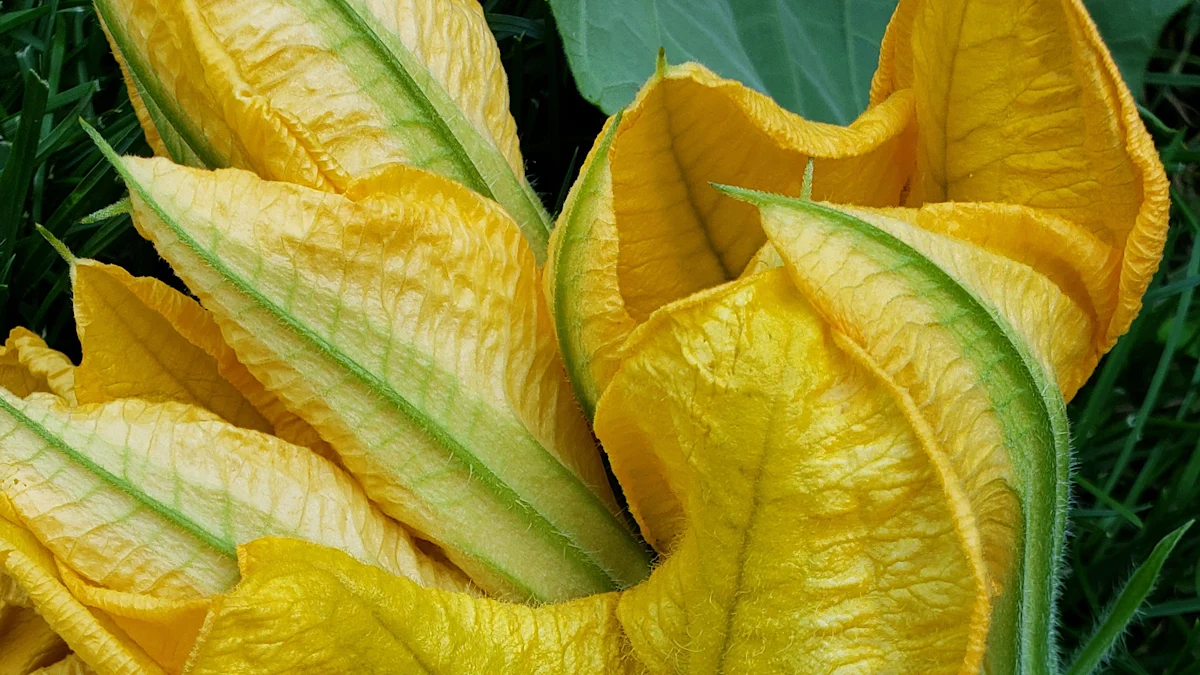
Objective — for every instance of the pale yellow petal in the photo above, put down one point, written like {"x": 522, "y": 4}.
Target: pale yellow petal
{"x": 27, "y": 365}
{"x": 320, "y": 92}
{"x": 404, "y": 321}
{"x": 644, "y": 227}
{"x": 822, "y": 532}
{"x": 304, "y": 609}
{"x": 1019, "y": 102}
{"x": 143, "y": 339}
{"x": 953, "y": 359}
{"x": 93, "y": 637}
{"x": 1054, "y": 282}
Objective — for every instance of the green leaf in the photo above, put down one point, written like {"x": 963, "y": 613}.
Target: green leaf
{"x": 1125, "y": 609}
{"x": 814, "y": 58}
{"x": 1131, "y": 30}
{"x": 19, "y": 166}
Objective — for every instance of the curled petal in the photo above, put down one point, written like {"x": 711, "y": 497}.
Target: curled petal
{"x": 305, "y": 609}
{"x": 1019, "y": 102}
{"x": 28, "y": 365}
{"x": 143, "y": 339}
{"x": 321, "y": 92}
{"x": 643, "y": 226}
{"x": 94, "y": 638}
{"x": 815, "y": 528}
{"x": 404, "y": 321}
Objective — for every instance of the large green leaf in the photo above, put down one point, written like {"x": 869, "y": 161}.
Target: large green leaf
{"x": 1131, "y": 29}
{"x": 814, "y": 58}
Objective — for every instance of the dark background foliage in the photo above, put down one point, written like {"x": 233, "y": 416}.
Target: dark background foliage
{"x": 1136, "y": 427}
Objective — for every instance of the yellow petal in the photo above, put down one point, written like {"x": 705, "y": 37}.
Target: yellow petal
{"x": 28, "y": 365}
{"x": 321, "y": 92}
{"x": 821, "y": 531}
{"x": 27, "y": 642}
{"x": 143, "y": 339}
{"x": 643, "y": 227}
{"x": 69, "y": 665}
{"x": 93, "y": 637}
{"x": 1053, "y": 282}
{"x": 153, "y": 498}
{"x": 967, "y": 375}
{"x": 1019, "y": 102}
{"x": 405, "y": 322}
{"x": 1049, "y": 279}
{"x": 165, "y": 629}
{"x": 304, "y": 609}
{"x": 199, "y": 111}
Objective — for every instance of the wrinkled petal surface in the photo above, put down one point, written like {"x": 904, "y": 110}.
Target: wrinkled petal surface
{"x": 320, "y": 92}
{"x": 154, "y": 497}
{"x": 92, "y": 636}
{"x": 814, "y": 530}
{"x": 27, "y": 365}
{"x": 643, "y": 226}
{"x": 304, "y": 609}
{"x": 965, "y": 375}
{"x": 404, "y": 321}
{"x": 1019, "y": 102}
{"x": 143, "y": 339}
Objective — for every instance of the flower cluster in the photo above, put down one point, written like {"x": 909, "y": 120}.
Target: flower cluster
{"x": 827, "y": 365}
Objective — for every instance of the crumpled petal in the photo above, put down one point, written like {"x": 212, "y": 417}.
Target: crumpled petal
{"x": 71, "y": 664}
{"x": 153, "y": 498}
{"x": 1019, "y": 102}
{"x": 305, "y": 609}
{"x": 26, "y": 641}
{"x": 165, "y": 628}
{"x": 643, "y": 227}
{"x": 92, "y": 636}
{"x": 193, "y": 105}
{"x": 405, "y": 322}
{"x": 320, "y": 92}
{"x": 27, "y": 365}
{"x": 1025, "y": 263}
{"x": 819, "y": 530}
{"x": 143, "y": 339}
{"x": 966, "y": 375}
{"x": 1051, "y": 280}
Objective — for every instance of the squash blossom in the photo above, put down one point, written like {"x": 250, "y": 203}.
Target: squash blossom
{"x": 828, "y": 365}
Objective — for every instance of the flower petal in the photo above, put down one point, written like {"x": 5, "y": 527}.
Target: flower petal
{"x": 971, "y": 380}
{"x": 143, "y": 339}
{"x": 28, "y": 365}
{"x": 818, "y": 529}
{"x": 71, "y": 664}
{"x": 165, "y": 629}
{"x": 1019, "y": 102}
{"x": 405, "y": 322}
{"x": 93, "y": 637}
{"x": 320, "y": 92}
{"x": 304, "y": 609}
{"x": 643, "y": 227}
{"x": 153, "y": 498}
{"x": 1054, "y": 282}
{"x": 27, "y": 642}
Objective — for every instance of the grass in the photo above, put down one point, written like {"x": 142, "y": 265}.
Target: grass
{"x": 1136, "y": 425}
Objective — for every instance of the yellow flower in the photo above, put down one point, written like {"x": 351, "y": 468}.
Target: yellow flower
{"x": 1004, "y": 124}
{"x": 839, "y": 422}
{"x": 321, "y": 92}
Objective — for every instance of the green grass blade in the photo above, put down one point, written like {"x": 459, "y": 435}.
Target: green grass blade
{"x": 1125, "y": 609}
{"x": 18, "y": 169}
